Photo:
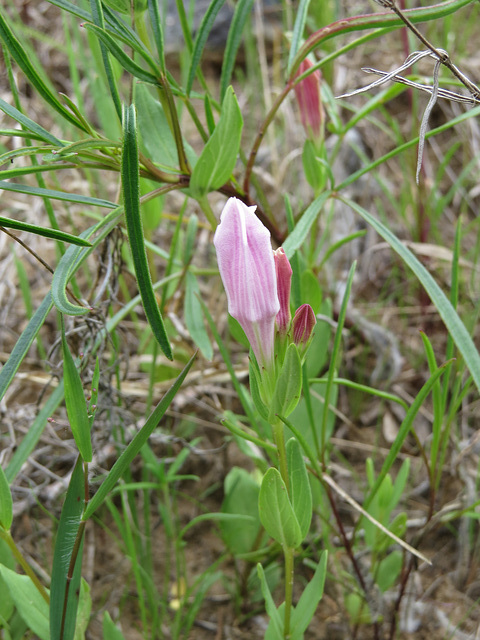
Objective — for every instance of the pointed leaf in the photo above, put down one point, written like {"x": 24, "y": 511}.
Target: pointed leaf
{"x": 6, "y": 503}
{"x": 289, "y": 384}
{"x": 300, "y": 491}
{"x": 311, "y": 596}
{"x": 130, "y": 184}
{"x": 276, "y": 512}
{"x": 30, "y": 605}
{"x": 275, "y": 619}
{"x": 42, "y": 231}
{"x": 243, "y": 9}
{"x": 194, "y": 317}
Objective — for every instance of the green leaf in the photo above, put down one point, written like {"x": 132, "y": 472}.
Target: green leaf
{"x": 276, "y": 512}
{"x": 29, "y": 603}
{"x": 300, "y": 491}
{"x": 156, "y": 24}
{"x": 218, "y": 158}
{"x": 84, "y": 611}
{"x": 194, "y": 316}
{"x": 23, "y": 344}
{"x": 289, "y": 384}
{"x": 127, "y": 63}
{"x": 444, "y": 307}
{"x": 255, "y": 384}
{"x": 30, "y": 125}
{"x": 243, "y": 9}
{"x": 296, "y": 239}
{"x": 76, "y": 403}
{"x": 201, "y": 39}
{"x": 389, "y": 570}
{"x": 297, "y": 35}
{"x": 22, "y": 59}
{"x": 110, "y": 629}
{"x": 67, "y": 532}
{"x": 275, "y": 619}
{"x": 130, "y": 184}
{"x": 55, "y": 195}
{"x": 311, "y": 596}
{"x": 6, "y": 503}
{"x": 41, "y": 231}
{"x": 241, "y": 497}
{"x": 124, "y": 461}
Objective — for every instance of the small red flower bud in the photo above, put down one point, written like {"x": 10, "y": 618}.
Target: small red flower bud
{"x": 283, "y": 271}
{"x": 302, "y": 326}
{"x": 310, "y": 102}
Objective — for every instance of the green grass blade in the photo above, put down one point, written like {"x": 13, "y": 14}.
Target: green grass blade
{"x": 297, "y": 34}
{"x": 130, "y": 184}
{"x": 56, "y": 195}
{"x": 63, "y": 614}
{"x": 41, "y": 231}
{"x": 6, "y": 502}
{"x": 22, "y": 59}
{"x": 97, "y": 14}
{"x": 136, "y": 444}
{"x": 303, "y": 226}
{"x": 24, "y": 343}
{"x": 444, "y": 307}
{"x": 242, "y": 11}
{"x": 76, "y": 403}
{"x": 127, "y": 63}
{"x": 32, "y": 126}
{"x": 201, "y": 39}
{"x": 156, "y": 24}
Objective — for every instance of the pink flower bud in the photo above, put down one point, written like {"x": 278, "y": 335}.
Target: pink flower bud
{"x": 303, "y": 323}
{"x": 284, "y": 279}
{"x": 246, "y": 264}
{"x": 310, "y": 102}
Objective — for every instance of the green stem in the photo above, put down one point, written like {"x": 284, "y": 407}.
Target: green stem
{"x": 207, "y": 210}
{"x": 5, "y": 535}
{"x": 288, "y": 553}
{"x": 279, "y": 439}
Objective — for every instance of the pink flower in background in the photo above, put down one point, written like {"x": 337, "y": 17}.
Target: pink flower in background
{"x": 247, "y": 267}
{"x": 283, "y": 271}
{"x": 310, "y": 102}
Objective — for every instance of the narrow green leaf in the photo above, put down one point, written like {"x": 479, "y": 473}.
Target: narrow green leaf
{"x": 201, "y": 39}
{"x": 22, "y": 59}
{"x": 24, "y": 343}
{"x": 30, "y": 605}
{"x": 157, "y": 29}
{"x": 194, "y": 317}
{"x": 76, "y": 403}
{"x": 97, "y": 14}
{"x": 243, "y": 9}
{"x": 296, "y": 239}
{"x": 130, "y": 184}
{"x": 6, "y": 503}
{"x": 124, "y": 461}
{"x": 64, "y": 544}
{"x": 127, "y": 63}
{"x": 32, "y": 126}
{"x": 272, "y": 610}
{"x": 276, "y": 512}
{"x": 297, "y": 35}
{"x": 311, "y": 596}
{"x": 110, "y": 629}
{"x": 444, "y": 307}
{"x": 42, "y": 231}
{"x": 218, "y": 158}
{"x": 300, "y": 491}
{"x": 56, "y": 195}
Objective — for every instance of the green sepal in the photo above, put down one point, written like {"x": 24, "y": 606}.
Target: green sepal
{"x": 300, "y": 491}
{"x": 255, "y": 386}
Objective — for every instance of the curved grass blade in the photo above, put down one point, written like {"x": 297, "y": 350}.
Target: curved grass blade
{"x": 136, "y": 444}
{"x": 64, "y": 593}
{"x": 156, "y": 24}
{"x": 242, "y": 11}
{"x": 297, "y": 34}
{"x": 21, "y": 58}
{"x": 24, "y": 343}
{"x": 303, "y": 226}
{"x": 452, "y": 321}
{"x": 32, "y": 126}
{"x": 127, "y": 63}
{"x": 41, "y": 231}
{"x": 130, "y": 184}
{"x": 56, "y": 195}
{"x": 201, "y": 39}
